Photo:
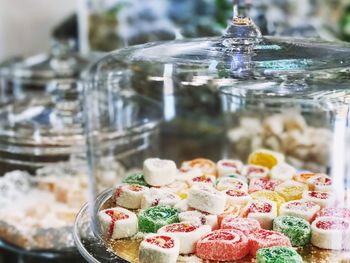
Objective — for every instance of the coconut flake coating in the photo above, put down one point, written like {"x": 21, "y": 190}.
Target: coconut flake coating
{"x": 298, "y": 230}
{"x": 278, "y": 255}
{"x": 153, "y": 218}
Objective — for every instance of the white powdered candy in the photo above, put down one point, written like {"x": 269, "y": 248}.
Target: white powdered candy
{"x": 263, "y": 211}
{"x": 156, "y": 196}
{"x": 283, "y": 172}
{"x": 160, "y": 248}
{"x": 118, "y": 223}
{"x": 129, "y": 196}
{"x": 199, "y": 218}
{"x": 323, "y": 199}
{"x": 300, "y": 208}
{"x": 207, "y": 199}
{"x": 227, "y": 167}
{"x": 330, "y": 233}
{"x": 159, "y": 172}
{"x": 231, "y": 183}
{"x": 237, "y": 197}
{"x": 187, "y": 233}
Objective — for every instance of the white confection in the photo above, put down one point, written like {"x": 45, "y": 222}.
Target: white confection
{"x": 207, "y": 199}
{"x": 203, "y": 179}
{"x": 321, "y": 182}
{"x": 152, "y": 253}
{"x": 265, "y": 218}
{"x": 118, "y": 228}
{"x": 176, "y": 187}
{"x": 157, "y": 196}
{"x": 159, "y": 172}
{"x": 231, "y": 183}
{"x": 226, "y": 167}
{"x": 337, "y": 239}
{"x": 129, "y": 196}
{"x": 199, "y": 218}
{"x": 182, "y": 205}
{"x": 185, "y": 175}
{"x": 255, "y": 171}
{"x": 300, "y": 208}
{"x": 283, "y": 172}
{"x": 323, "y": 199}
{"x": 189, "y": 239}
{"x": 236, "y": 197}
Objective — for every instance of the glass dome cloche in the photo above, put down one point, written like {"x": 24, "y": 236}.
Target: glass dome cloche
{"x": 233, "y": 148}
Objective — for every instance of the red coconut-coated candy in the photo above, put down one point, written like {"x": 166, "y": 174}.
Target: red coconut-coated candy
{"x": 335, "y": 212}
{"x": 267, "y": 238}
{"x": 259, "y": 184}
{"x": 246, "y": 225}
{"x": 223, "y": 245}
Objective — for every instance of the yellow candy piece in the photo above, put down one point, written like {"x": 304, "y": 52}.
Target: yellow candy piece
{"x": 291, "y": 190}
{"x": 270, "y": 196}
{"x": 183, "y": 195}
{"x": 265, "y": 158}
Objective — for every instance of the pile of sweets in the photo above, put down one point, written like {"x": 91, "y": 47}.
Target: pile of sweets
{"x": 46, "y": 204}
{"x": 304, "y": 146}
{"x": 227, "y": 211}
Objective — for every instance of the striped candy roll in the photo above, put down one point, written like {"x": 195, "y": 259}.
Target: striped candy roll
{"x": 291, "y": 190}
{"x": 266, "y": 238}
{"x": 203, "y": 179}
{"x": 335, "y": 212}
{"x": 157, "y": 196}
{"x": 259, "y": 184}
{"x": 298, "y": 230}
{"x": 136, "y": 178}
{"x": 263, "y": 211}
{"x": 160, "y": 248}
{"x": 320, "y": 182}
{"x": 246, "y": 225}
{"x": 278, "y": 255}
{"x": 207, "y": 199}
{"x": 265, "y": 158}
{"x": 226, "y": 167}
{"x": 205, "y": 165}
{"x": 129, "y": 195}
{"x": 300, "y": 208}
{"x": 153, "y": 218}
{"x": 255, "y": 171}
{"x": 159, "y": 172}
{"x": 330, "y": 233}
{"x": 237, "y": 197}
{"x": 232, "y": 211}
{"x": 188, "y": 174}
{"x": 187, "y": 233}
{"x": 269, "y": 195}
{"x": 199, "y": 218}
{"x": 231, "y": 183}
{"x": 223, "y": 245}
{"x": 283, "y": 172}
{"x": 323, "y": 199}
{"x": 118, "y": 223}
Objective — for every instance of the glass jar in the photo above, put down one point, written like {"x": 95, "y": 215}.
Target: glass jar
{"x": 222, "y": 99}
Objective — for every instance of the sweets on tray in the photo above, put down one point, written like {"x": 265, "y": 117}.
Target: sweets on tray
{"x": 187, "y": 233}
{"x": 298, "y": 230}
{"x": 278, "y": 255}
{"x": 223, "y": 245}
{"x": 159, "y": 248}
{"x": 227, "y": 211}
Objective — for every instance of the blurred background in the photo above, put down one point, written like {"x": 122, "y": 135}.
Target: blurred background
{"x": 26, "y": 26}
